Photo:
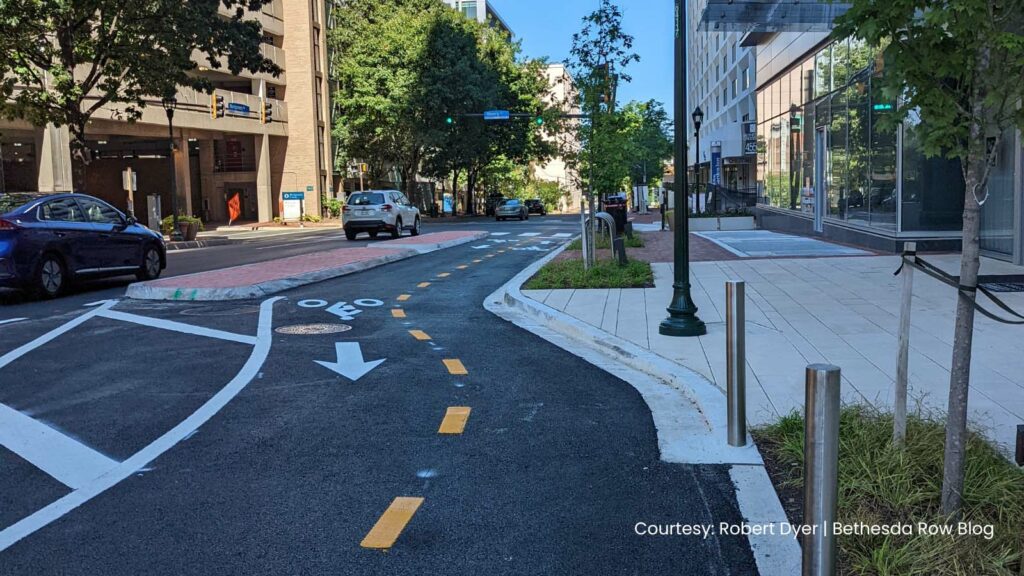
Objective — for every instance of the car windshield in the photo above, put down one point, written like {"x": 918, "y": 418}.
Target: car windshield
{"x": 11, "y": 202}
{"x": 361, "y": 199}
{"x": 510, "y": 202}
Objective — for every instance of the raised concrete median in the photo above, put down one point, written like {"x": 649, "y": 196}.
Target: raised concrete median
{"x": 264, "y": 278}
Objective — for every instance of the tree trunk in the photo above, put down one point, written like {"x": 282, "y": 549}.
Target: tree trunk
{"x": 455, "y": 192}
{"x": 470, "y": 190}
{"x": 963, "y": 335}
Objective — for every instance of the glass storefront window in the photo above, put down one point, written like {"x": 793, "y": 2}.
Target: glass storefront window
{"x": 883, "y": 190}
{"x": 933, "y": 188}
{"x": 823, "y": 72}
{"x": 858, "y": 201}
{"x": 997, "y": 212}
{"x": 839, "y": 202}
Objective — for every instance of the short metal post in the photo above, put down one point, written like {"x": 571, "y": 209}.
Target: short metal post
{"x": 821, "y": 468}
{"x": 1020, "y": 445}
{"x": 619, "y": 246}
{"x": 736, "y": 361}
{"x": 585, "y": 244}
{"x": 899, "y": 430}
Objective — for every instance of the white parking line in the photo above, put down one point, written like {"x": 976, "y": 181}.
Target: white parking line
{"x": 55, "y": 510}
{"x": 70, "y": 462}
{"x": 178, "y": 327}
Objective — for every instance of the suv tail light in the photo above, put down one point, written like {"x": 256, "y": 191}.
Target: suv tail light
{"x": 345, "y": 208}
{"x": 387, "y": 207}
{"x": 8, "y": 225}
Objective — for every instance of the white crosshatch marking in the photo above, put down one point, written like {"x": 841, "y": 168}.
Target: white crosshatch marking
{"x": 86, "y": 471}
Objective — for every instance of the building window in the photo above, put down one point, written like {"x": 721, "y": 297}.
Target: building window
{"x": 468, "y": 9}
{"x": 746, "y": 78}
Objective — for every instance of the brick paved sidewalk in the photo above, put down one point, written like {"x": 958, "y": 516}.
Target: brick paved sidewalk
{"x": 263, "y": 278}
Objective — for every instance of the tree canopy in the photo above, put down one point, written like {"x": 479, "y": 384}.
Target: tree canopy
{"x": 63, "y": 60}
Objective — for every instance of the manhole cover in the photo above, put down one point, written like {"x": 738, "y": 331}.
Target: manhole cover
{"x": 313, "y": 329}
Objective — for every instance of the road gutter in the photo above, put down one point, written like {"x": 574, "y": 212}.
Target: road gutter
{"x": 689, "y": 412}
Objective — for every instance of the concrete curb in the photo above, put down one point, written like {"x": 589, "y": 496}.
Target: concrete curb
{"x": 144, "y": 291}
{"x": 688, "y": 410}
{"x": 192, "y": 244}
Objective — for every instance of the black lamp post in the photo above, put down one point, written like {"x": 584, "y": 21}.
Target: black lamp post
{"x": 170, "y": 103}
{"x": 682, "y": 320}
{"x": 698, "y": 119}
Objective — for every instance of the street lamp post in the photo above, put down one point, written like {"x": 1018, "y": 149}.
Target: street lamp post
{"x": 698, "y": 119}
{"x": 170, "y": 103}
{"x": 682, "y": 320}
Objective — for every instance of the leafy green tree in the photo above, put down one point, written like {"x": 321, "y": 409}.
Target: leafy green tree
{"x": 648, "y": 132}
{"x": 956, "y": 64}
{"x": 71, "y": 58}
{"x": 600, "y": 54}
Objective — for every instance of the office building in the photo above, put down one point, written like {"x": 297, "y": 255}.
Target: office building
{"x": 827, "y": 165}
{"x": 562, "y": 94}
{"x": 231, "y": 168}
{"x": 480, "y": 10}
{"x": 721, "y": 80}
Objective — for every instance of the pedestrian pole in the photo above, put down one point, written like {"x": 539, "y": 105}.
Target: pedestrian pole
{"x": 736, "y": 362}
{"x": 583, "y": 237}
{"x": 899, "y": 430}
{"x": 821, "y": 468}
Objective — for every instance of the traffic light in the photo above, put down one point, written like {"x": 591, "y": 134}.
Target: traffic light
{"x": 449, "y": 120}
{"x": 266, "y": 112}
{"x": 216, "y": 106}
{"x": 540, "y": 120}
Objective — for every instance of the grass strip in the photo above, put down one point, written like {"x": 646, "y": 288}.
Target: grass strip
{"x": 605, "y": 274}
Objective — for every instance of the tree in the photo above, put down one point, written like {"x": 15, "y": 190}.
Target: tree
{"x": 600, "y": 54}
{"x": 956, "y": 64}
{"x": 71, "y": 58}
{"x": 648, "y": 133}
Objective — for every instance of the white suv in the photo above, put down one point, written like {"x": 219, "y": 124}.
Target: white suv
{"x": 376, "y": 210}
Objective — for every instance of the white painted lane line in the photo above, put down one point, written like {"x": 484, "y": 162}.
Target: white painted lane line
{"x": 12, "y": 320}
{"x": 500, "y": 233}
{"x": 25, "y": 349}
{"x": 529, "y": 234}
{"x": 482, "y": 247}
{"x": 561, "y": 235}
{"x": 70, "y": 462}
{"x": 177, "y": 327}
{"x": 41, "y": 518}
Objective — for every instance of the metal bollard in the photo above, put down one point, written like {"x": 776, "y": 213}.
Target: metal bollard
{"x": 736, "y": 362}
{"x": 821, "y": 468}
{"x": 619, "y": 246}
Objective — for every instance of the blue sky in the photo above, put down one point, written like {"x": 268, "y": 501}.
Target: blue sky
{"x": 545, "y": 28}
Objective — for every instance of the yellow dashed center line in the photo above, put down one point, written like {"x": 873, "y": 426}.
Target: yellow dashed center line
{"x": 404, "y": 297}
{"x": 455, "y": 367}
{"x": 423, "y": 284}
{"x": 398, "y": 313}
{"x": 419, "y": 335}
{"x": 390, "y": 525}
{"x": 444, "y": 274}
{"x": 454, "y": 420}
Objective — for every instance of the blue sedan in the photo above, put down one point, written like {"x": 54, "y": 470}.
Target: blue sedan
{"x": 49, "y": 241}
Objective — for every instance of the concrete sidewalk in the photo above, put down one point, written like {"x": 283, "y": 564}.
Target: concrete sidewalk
{"x": 264, "y": 278}
{"x": 838, "y": 310}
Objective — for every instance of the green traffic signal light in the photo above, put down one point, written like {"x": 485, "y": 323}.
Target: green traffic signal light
{"x": 449, "y": 120}
{"x": 540, "y": 121}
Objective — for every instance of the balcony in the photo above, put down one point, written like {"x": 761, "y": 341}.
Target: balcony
{"x": 271, "y": 17}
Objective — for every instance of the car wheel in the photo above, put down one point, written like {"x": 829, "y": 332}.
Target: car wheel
{"x": 150, "y": 269}
{"x": 351, "y": 235}
{"x": 416, "y": 228}
{"x": 397, "y": 232}
{"x": 51, "y": 278}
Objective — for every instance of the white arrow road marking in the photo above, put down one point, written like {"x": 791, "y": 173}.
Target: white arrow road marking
{"x": 350, "y": 362}
{"x": 344, "y": 311}
{"x": 12, "y": 320}
{"x": 482, "y": 247}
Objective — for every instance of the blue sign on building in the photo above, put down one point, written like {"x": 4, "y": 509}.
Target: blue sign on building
{"x": 238, "y": 108}
{"x": 293, "y": 195}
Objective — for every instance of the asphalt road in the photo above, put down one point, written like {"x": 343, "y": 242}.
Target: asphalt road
{"x": 556, "y": 465}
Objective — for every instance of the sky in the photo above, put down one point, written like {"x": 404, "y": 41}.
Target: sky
{"x": 545, "y": 28}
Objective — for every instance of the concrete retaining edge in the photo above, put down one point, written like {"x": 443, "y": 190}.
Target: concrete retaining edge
{"x": 698, "y": 436}
{"x": 141, "y": 291}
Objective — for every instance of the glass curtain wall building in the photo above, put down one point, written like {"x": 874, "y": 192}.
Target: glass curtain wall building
{"x": 832, "y": 160}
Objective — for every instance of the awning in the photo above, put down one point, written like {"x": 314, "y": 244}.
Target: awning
{"x": 770, "y": 16}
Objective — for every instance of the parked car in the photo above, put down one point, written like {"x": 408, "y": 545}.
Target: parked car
{"x": 48, "y": 241}
{"x": 375, "y": 211}
{"x": 511, "y": 208}
{"x": 493, "y": 199}
{"x": 535, "y": 206}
